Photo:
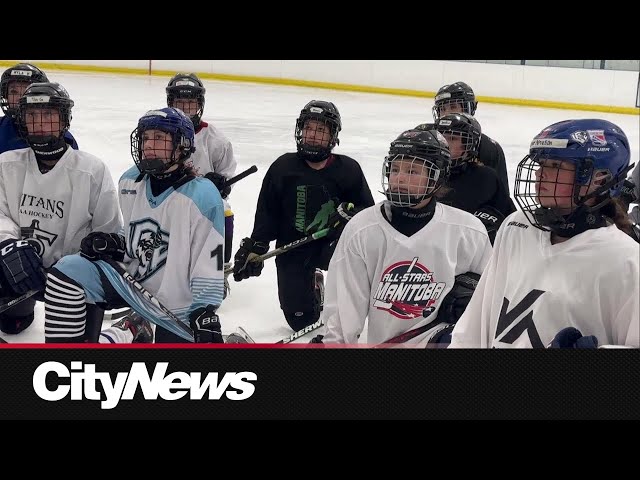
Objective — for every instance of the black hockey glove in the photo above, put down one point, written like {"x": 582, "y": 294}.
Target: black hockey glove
{"x": 456, "y": 301}
{"x": 98, "y": 244}
{"x": 243, "y": 266}
{"x": 338, "y": 219}
{"x": 491, "y": 218}
{"x": 21, "y": 266}
{"x": 220, "y": 182}
{"x": 206, "y": 325}
{"x": 628, "y": 193}
{"x": 571, "y": 337}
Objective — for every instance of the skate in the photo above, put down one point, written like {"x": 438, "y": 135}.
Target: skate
{"x": 141, "y": 328}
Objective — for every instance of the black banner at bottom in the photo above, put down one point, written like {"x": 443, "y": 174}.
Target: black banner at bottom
{"x": 318, "y": 384}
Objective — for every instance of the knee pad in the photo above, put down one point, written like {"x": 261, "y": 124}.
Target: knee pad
{"x": 13, "y": 324}
{"x": 299, "y": 320}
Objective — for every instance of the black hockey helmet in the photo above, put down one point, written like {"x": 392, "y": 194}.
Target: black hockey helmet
{"x": 49, "y": 95}
{"x": 321, "y": 111}
{"x": 426, "y": 149}
{"x": 468, "y": 129}
{"x": 458, "y": 93}
{"x": 187, "y": 86}
{"x": 24, "y": 73}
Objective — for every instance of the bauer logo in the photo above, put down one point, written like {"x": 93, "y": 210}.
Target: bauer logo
{"x": 82, "y": 382}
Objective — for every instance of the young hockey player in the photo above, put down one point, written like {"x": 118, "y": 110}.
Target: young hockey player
{"x": 397, "y": 261}
{"x": 566, "y": 260}
{"x": 458, "y": 97}
{"x": 472, "y": 186}
{"x": 51, "y": 197}
{"x": 13, "y": 83}
{"x": 213, "y": 156}
{"x": 302, "y": 193}
{"x": 173, "y": 245}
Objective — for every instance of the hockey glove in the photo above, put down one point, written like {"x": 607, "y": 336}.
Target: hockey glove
{"x": 571, "y": 337}
{"x": 98, "y": 244}
{"x": 21, "y": 266}
{"x": 243, "y": 266}
{"x": 456, "y": 301}
{"x": 491, "y": 218}
{"x": 628, "y": 193}
{"x": 206, "y": 325}
{"x": 338, "y": 219}
{"x": 220, "y": 182}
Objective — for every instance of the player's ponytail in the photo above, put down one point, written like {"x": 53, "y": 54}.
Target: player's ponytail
{"x": 617, "y": 214}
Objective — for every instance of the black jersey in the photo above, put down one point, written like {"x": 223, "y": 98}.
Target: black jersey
{"x": 473, "y": 186}
{"x": 293, "y": 193}
{"x": 490, "y": 154}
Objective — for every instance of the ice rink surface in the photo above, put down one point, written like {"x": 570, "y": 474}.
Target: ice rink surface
{"x": 260, "y": 120}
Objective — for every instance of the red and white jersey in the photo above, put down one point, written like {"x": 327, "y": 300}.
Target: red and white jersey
{"x": 532, "y": 289}
{"x": 395, "y": 281}
{"x": 57, "y": 209}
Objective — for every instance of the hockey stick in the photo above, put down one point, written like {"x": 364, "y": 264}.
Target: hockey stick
{"x": 285, "y": 248}
{"x": 301, "y": 333}
{"x": 17, "y": 300}
{"x": 292, "y": 245}
{"x": 150, "y": 298}
{"x": 240, "y": 176}
{"x": 403, "y": 337}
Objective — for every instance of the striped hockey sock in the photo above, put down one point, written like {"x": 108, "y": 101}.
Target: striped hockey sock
{"x": 65, "y": 312}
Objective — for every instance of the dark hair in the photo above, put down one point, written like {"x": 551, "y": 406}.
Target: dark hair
{"x": 618, "y": 215}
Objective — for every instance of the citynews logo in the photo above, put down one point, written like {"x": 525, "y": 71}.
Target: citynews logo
{"x": 175, "y": 385}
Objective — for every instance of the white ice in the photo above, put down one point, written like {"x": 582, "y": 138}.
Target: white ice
{"x": 259, "y": 120}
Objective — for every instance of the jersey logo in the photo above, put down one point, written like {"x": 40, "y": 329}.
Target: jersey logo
{"x": 149, "y": 244}
{"x": 39, "y": 239}
{"x": 407, "y": 290}
{"x": 508, "y": 318}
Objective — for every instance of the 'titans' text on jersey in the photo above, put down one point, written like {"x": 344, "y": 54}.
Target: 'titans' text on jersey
{"x": 56, "y": 210}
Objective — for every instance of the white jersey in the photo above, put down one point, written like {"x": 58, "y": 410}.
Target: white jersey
{"x": 57, "y": 209}
{"x": 398, "y": 282}
{"x": 214, "y": 153}
{"x": 532, "y": 289}
{"x": 175, "y": 241}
